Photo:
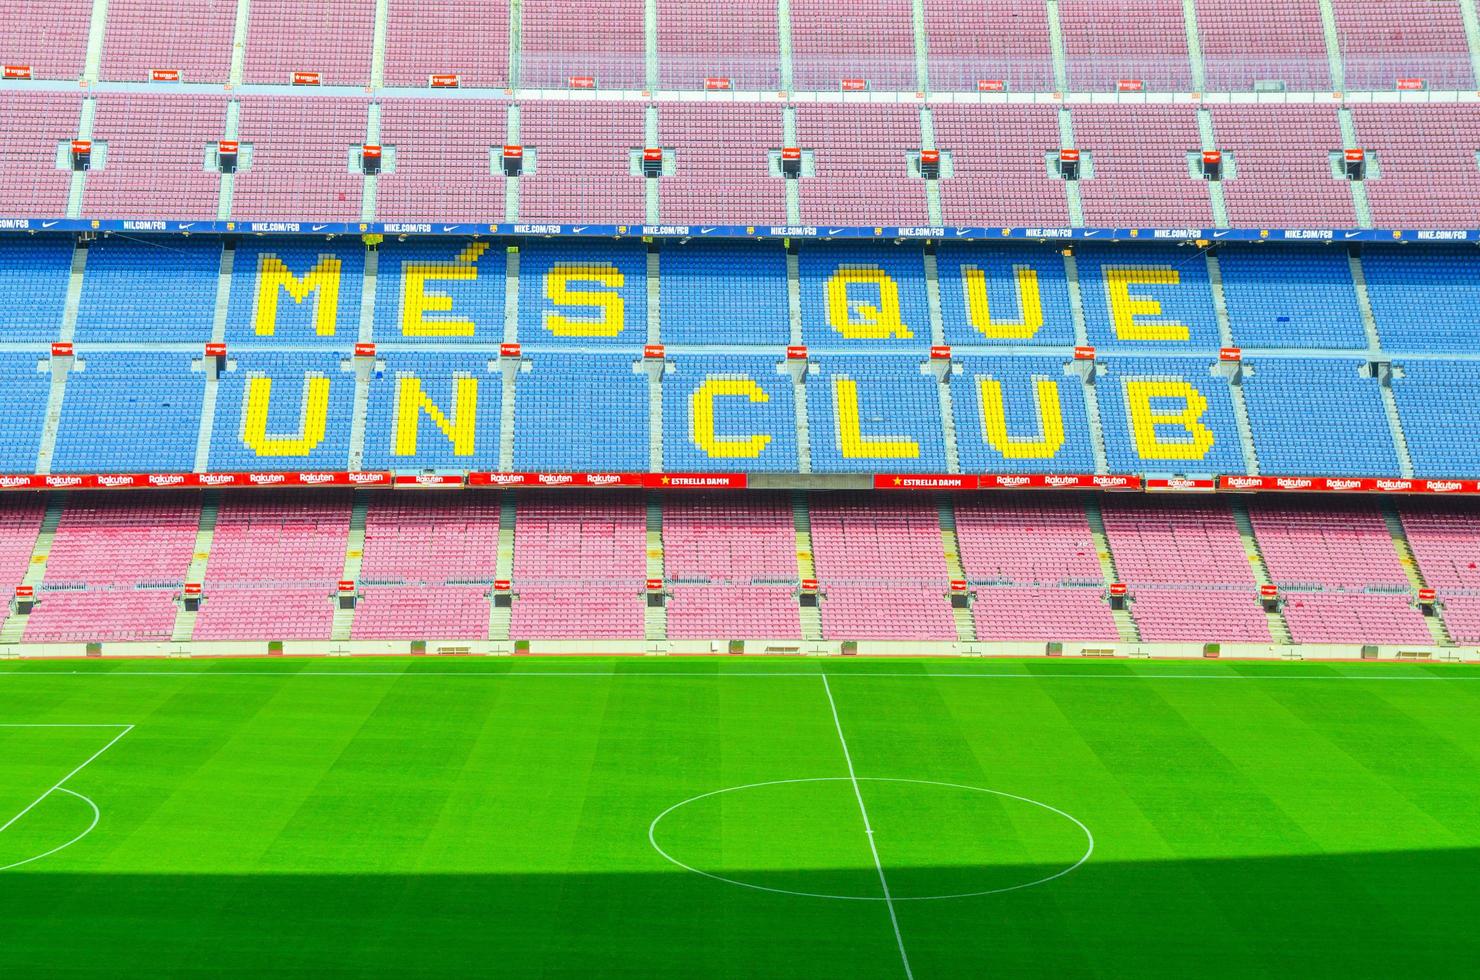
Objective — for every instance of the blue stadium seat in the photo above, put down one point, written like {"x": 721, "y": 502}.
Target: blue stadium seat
{"x": 309, "y": 390}
{"x": 863, "y": 297}
{"x": 600, "y": 299}
{"x": 1318, "y": 418}
{"x": 581, "y": 412}
{"x": 1425, "y": 300}
{"x": 982, "y": 294}
{"x": 159, "y": 289}
{"x": 1291, "y": 296}
{"x": 1030, "y": 437}
{"x": 463, "y": 391}
{"x": 442, "y": 291}
{"x": 724, "y": 293}
{"x": 728, "y": 412}
{"x": 26, "y": 390}
{"x": 874, "y": 413}
{"x": 1153, "y": 424}
{"x": 130, "y": 412}
{"x": 1439, "y": 406}
{"x": 1147, "y": 298}
{"x": 33, "y": 286}
{"x": 289, "y": 292}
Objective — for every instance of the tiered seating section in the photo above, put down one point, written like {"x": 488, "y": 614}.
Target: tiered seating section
{"x": 1323, "y": 392}
{"x": 732, "y": 567}
{"x": 303, "y": 139}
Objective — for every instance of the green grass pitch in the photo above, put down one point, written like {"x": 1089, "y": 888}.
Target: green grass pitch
{"x": 511, "y": 818}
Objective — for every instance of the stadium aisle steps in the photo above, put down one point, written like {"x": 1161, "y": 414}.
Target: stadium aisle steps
{"x": 354, "y": 553}
{"x": 655, "y": 618}
{"x": 1410, "y": 564}
{"x": 205, "y": 534}
{"x": 503, "y": 569}
{"x": 965, "y": 622}
{"x": 15, "y": 623}
{"x": 1279, "y": 630}
{"x": 1125, "y": 623}
{"x": 801, "y": 520}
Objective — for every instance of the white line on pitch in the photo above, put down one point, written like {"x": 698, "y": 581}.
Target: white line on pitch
{"x": 1066, "y": 675}
{"x": 869, "y": 831}
{"x": 59, "y": 782}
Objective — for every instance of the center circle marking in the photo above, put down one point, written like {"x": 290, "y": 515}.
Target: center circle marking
{"x": 1089, "y": 839}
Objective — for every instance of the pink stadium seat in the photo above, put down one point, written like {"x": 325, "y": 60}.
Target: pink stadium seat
{"x": 860, "y": 153}
{"x": 156, "y": 156}
{"x": 193, "y": 37}
{"x": 1140, "y": 166}
{"x": 54, "y": 45}
{"x": 732, "y": 567}
{"x": 873, "y": 40}
{"x": 1144, "y": 40}
{"x": 1381, "y": 43}
{"x": 447, "y": 37}
{"x": 583, "y": 162}
{"x": 580, "y": 565}
{"x": 723, "y": 174}
{"x": 332, "y": 37}
{"x": 603, "y": 39}
{"x": 882, "y": 567}
{"x": 1426, "y": 151}
{"x": 444, "y": 171}
{"x": 32, "y": 125}
{"x": 1257, "y": 40}
{"x": 1004, "y": 40}
{"x": 734, "y": 39}
{"x": 300, "y": 159}
{"x": 20, "y": 522}
{"x": 1282, "y": 154}
{"x": 1001, "y": 177}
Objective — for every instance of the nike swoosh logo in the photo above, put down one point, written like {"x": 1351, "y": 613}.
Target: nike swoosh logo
{"x": 448, "y": 227}
{"x": 962, "y": 232}
{"x": 1090, "y": 234}
{"x": 1352, "y": 234}
{"x": 705, "y": 231}
{"x": 836, "y": 231}
{"x": 49, "y": 224}
{"x": 319, "y": 227}
{"x": 1219, "y": 234}
{"x": 578, "y": 229}
{"x": 187, "y": 226}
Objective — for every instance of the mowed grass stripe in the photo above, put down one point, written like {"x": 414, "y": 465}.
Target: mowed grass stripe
{"x": 237, "y": 831}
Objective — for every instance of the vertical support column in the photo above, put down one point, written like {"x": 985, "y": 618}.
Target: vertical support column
{"x": 516, "y": 42}
{"x": 79, "y": 177}
{"x": 1215, "y": 187}
{"x": 97, "y": 29}
{"x": 650, "y": 185}
{"x": 933, "y": 208}
{"x": 228, "y": 181}
{"x": 360, "y": 419}
{"x": 1194, "y": 46}
{"x": 239, "y": 45}
{"x": 61, "y": 367}
{"x": 1471, "y": 20}
{"x": 1350, "y": 138}
{"x": 370, "y": 194}
{"x": 793, "y": 187}
{"x": 1071, "y": 187}
{"x": 377, "y": 49}
{"x": 213, "y": 384}
{"x": 1056, "y": 44}
{"x": 511, "y": 184}
{"x": 922, "y": 46}
{"x": 510, "y": 367}
{"x": 1333, "y": 46}
{"x": 783, "y": 36}
{"x": 1235, "y": 372}
{"x": 1087, "y": 377}
{"x": 650, "y": 47}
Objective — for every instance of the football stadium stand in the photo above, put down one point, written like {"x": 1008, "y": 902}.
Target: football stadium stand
{"x": 666, "y": 291}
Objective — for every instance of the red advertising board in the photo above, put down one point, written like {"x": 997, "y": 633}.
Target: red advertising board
{"x": 991, "y": 85}
{"x": 509, "y": 350}
{"x": 581, "y": 81}
{"x": 165, "y": 75}
{"x": 924, "y": 481}
{"x": 1057, "y": 481}
{"x": 1181, "y": 484}
{"x": 18, "y": 71}
{"x": 427, "y": 481}
{"x": 716, "y": 84}
{"x": 1130, "y": 85}
{"x": 695, "y": 481}
{"x": 307, "y": 78}
{"x": 61, "y": 348}
{"x": 940, "y": 352}
{"x": 445, "y": 81}
{"x": 796, "y": 352}
{"x": 855, "y": 85}
{"x": 1411, "y": 85}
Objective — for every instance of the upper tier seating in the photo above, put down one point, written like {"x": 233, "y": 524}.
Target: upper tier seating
{"x": 53, "y": 42}
{"x": 734, "y": 39}
{"x": 156, "y": 157}
{"x": 1381, "y": 43}
{"x": 602, "y": 39}
{"x": 1286, "y": 296}
{"x": 332, "y": 37}
{"x": 722, "y": 169}
{"x": 860, "y": 154}
{"x": 1145, "y": 40}
{"x": 582, "y": 167}
{"x": 872, "y": 40}
{"x": 32, "y": 127}
{"x": 193, "y": 38}
{"x": 1005, "y": 41}
{"x": 997, "y": 158}
{"x": 300, "y": 159}
{"x": 1281, "y": 166}
{"x": 447, "y": 37}
{"x": 1262, "y": 40}
{"x": 443, "y": 171}
{"x": 1140, "y": 166}
{"x": 1429, "y": 176}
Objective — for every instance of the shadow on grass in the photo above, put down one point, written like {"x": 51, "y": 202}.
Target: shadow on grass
{"x": 1354, "y": 915}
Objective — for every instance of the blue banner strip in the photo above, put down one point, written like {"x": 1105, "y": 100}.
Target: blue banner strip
{"x": 824, "y": 232}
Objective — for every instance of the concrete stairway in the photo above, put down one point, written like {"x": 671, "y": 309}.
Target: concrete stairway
{"x": 205, "y": 536}
{"x": 1125, "y": 623}
{"x": 965, "y": 622}
{"x": 1437, "y": 628}
{"x": 1279, "y": 630}
{"x": 801, "y": 522}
